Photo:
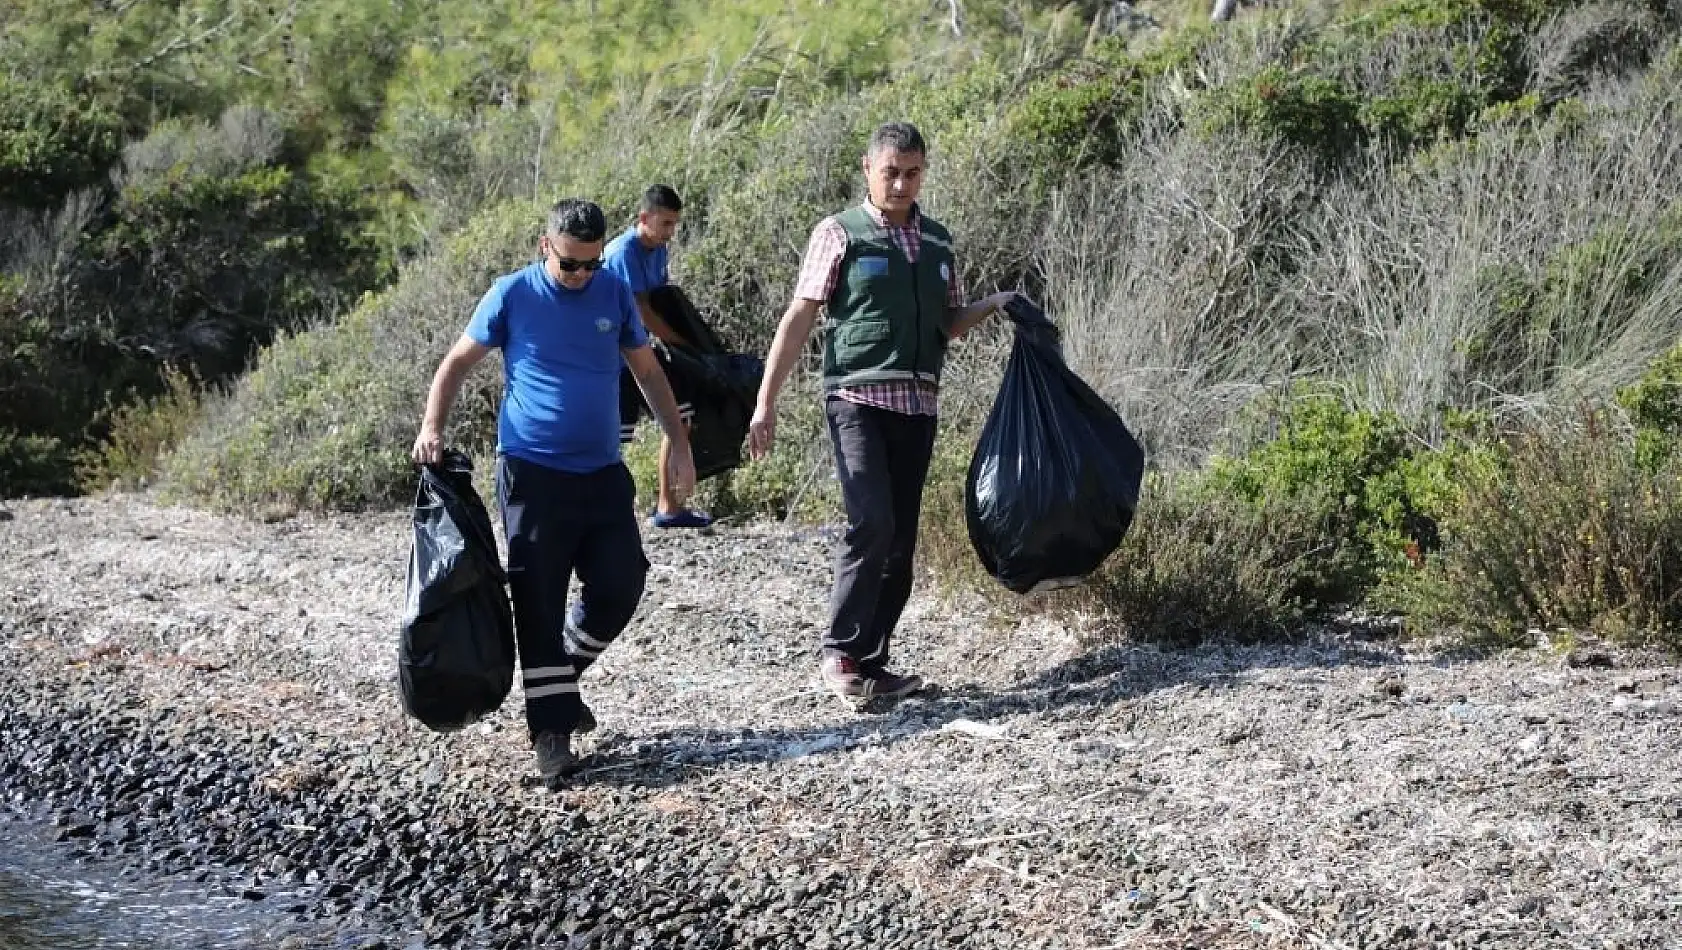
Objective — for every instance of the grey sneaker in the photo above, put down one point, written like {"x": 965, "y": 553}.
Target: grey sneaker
{"x": 555, "y": 760}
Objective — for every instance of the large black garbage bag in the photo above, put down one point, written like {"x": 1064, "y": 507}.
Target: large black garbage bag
{"x": 456, "y": 658}
{"x": 722, "y": 386}
{"x": 1055, "y": 478}
{"x": 681, "y": 314}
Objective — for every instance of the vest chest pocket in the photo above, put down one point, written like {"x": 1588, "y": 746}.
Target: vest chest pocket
{"x": 861, "y": 344}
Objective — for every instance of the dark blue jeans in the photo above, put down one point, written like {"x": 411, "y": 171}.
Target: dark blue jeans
{"x": 559, "y": 525}
{"x": 882, "y": 460}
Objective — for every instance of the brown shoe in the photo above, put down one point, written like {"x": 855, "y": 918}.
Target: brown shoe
{"x": 887, "y": 685}
{"x": 841, "y": 674}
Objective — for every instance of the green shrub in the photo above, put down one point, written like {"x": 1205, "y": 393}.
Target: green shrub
{"x": 1415, "y": 14}
{"x": 1193, "y": 564}
{"x": 1431, "y": 69}
{"x": 199, "y": 269}
{"x": 33, "y": 464}
{"x": 740, "y": 266}
{"x": 1571, "y": 533}
{"x": 139, "y": 434}
{"x": 1609, "y": 275}
{"x": 316, "y": 424}
{"x": 1080, "y": 119}
{"x": 1082, "y": 114}
{"x": 205, "y": 253}
{"x": 52, "y": 142}
{"x": 1584, "y": 294}
{"x": 50, "y": 389}
{"x": 1317, "y": 114}
{"x": 1654, "y": 405}
{"x": 1504, "y": 348}
{"x": 1352, "y": 470}
{"x": 1312, "y": 517}
{"x": 1422, "y": 111}
{"x": 1198, "y": 563}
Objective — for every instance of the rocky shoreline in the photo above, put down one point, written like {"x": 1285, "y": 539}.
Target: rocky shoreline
{"x": 188, "y": 694}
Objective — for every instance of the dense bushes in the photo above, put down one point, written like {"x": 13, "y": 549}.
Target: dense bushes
{"x": 326, "y": 416}
{"x": 205, "y": 251}
{"x": 1336, "y": 268}
{"x": 52, "y": 142}
{"x": 1572, "y": 533}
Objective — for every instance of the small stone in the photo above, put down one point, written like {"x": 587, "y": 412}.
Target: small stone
{"x": 1389, "y": 685}
{"x": 1589, "y": 659}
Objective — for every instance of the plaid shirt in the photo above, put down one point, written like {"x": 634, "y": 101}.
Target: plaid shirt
{"x": 821, "y": 268}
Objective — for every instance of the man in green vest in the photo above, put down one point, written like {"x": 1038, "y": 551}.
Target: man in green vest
{"x": 885, "y": 275}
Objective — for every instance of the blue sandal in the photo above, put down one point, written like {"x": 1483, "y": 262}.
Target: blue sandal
{"x": 684, "y": 518}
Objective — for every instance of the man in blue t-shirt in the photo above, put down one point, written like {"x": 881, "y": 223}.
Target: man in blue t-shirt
{"x": 567, "y": 499}
{"x": 639, "y": 257}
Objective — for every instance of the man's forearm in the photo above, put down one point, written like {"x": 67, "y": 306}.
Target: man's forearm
{"x": 965, "y": 320}
{"x": 792, "y": 333}
{"x": 657, "y": 392}
{"x": 446, "y": 385}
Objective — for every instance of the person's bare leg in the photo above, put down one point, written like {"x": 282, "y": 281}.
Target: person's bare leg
{"x": 666, "y": 504}
{"x": 669, "y": 512}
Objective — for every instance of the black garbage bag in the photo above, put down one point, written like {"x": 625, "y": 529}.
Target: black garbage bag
{"x": 1055, "y": 478}
{"x": 722, "y": 386}
{"x": 681, "y": 314}
{"x": 456, "y": 658}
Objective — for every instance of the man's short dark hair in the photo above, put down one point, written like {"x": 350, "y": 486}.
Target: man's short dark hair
{"x": 578, "y": 219}
{"x": 661, "y": 198}
{"x": 898, "y": 137}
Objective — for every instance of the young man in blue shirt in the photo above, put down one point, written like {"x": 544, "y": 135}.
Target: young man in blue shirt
{"x": 567, "y": 499}
{"x": 639, "y": 257}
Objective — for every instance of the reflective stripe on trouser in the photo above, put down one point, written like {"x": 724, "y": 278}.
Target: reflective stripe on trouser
{"x": 560, "y": 525}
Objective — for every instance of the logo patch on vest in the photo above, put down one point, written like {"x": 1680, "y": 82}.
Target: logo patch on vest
{"x": 603, "y": 325}
{"x": 945, "y": 273}
{"x": 873, "y": 266}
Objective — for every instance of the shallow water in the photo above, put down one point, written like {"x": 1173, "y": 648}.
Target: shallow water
{"x": 49, "y": 901}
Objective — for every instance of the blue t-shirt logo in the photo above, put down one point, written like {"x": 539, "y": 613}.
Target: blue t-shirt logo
{"x": 603, "y": 325}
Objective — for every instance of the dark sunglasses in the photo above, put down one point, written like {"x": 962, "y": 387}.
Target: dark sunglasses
{"x": 568, "y": 265}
